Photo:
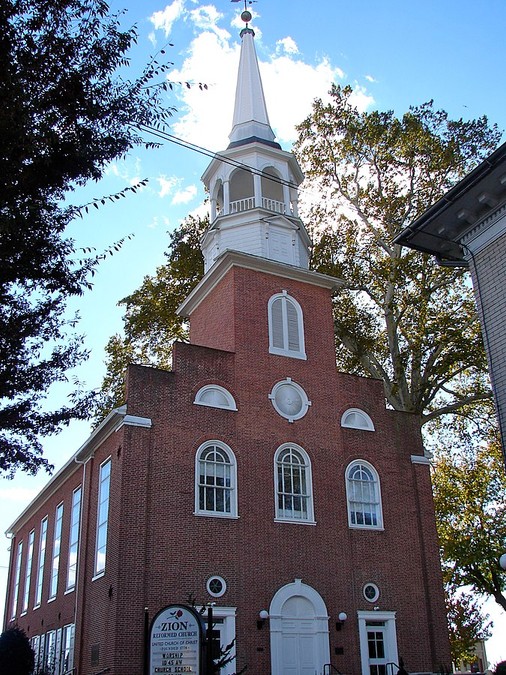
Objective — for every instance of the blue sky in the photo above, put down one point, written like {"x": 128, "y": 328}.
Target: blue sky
{"x": 393, "y": 53}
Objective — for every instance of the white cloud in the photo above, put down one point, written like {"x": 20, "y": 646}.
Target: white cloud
{"x": 167, "y": 185}
{"x": 184, "y": 196}
{"x": 165, "y": 18}
{"x": 205, "y": 116}
{"x": 370, "y": 78}
{"x": 360, "y": 98}
{"x": 286, "y": 79}
{"x": 206, "y": 19}
{"x": 287, "y": 46}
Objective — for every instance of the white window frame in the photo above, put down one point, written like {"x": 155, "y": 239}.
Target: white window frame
{"x": 388, "y": 618}
{"x": 104, "y": 484}
{"x": 377, "y": 487}
{"x": 28, "y": 571}
{"x": 67, "y": 648}
{"x": 17, "y": 580}
{"x": 55, "y": 560}
{"x": 230, "y": 401}
{"x": 307, "y": 496}
{"x": 232, "y": 488}
{"x": 367, "y": 425}
{"x": 41, "y": 561}
{"x": 74, "y": 535}
{"x": 300, "y": 353}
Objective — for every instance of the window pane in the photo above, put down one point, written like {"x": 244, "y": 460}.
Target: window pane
{"x": 293, "y": 496}
{"x": 102, "y": 517}
{"x": 215, "y": 481}
{"x": 363, "y": 496}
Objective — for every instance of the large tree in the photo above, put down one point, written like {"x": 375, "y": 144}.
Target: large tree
{"x": 67, "y": 111}
{"x": 466, "y": 624}
{"x": 470, "y": 502}
{"x": 151, "y": 324}
{"x": 400, "y": 317}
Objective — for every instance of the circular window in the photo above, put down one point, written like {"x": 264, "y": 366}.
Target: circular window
{"x": 289, "y": 400}
{"x": 216, "y": 586}
{"x": 371, "y": 592}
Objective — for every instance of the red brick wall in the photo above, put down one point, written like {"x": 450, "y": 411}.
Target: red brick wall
{"x": 159, "y": 552}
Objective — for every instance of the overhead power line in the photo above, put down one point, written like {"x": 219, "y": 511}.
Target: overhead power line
{"x": 215, "y": 155}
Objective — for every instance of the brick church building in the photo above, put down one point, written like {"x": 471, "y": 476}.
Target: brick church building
{"x": 253, "y": 475}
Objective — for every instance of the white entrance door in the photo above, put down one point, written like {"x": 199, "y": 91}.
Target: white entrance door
{"x": 299, "y": 638}
{"x": 299, "y": 631}
{"x": 376, "y": 642}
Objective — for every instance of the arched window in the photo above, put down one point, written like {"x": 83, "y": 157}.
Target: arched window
{"x": 293, "y": 485}
{"x": 286, "y": 326}
{"x": 216, "y": 480}
{"x": 354, "y": 418}
{"x": 272, "y": 190}
{"x": 364, "y": 496}
{"x": 214, "y": 396}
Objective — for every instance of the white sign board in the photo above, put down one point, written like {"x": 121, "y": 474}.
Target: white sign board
{"x": 175, "y": 641}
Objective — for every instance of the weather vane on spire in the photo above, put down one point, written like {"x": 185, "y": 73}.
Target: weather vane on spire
{"x": 246, "y": 14}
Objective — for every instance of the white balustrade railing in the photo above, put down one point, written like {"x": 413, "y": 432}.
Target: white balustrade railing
{"x": 242, "y": 205}
{"x": 273, "y": 205}
{"x": 249, "y": 203}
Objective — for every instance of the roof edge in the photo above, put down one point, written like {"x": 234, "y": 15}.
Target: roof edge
{"x": 231, "y": 258}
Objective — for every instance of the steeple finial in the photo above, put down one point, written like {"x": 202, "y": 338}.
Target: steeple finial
{"x": 250, "y": 122}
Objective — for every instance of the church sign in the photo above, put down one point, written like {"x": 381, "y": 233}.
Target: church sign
{"x": 175, "y": 639}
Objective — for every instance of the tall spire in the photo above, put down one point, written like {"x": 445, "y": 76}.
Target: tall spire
{"x": 250, "y": 122}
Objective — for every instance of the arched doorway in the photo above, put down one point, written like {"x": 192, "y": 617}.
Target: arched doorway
{"x": 299, "y": 626}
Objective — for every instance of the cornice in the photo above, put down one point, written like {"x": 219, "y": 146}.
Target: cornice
{"x": 116, "y": 419}
{"x": 229, "y": 259}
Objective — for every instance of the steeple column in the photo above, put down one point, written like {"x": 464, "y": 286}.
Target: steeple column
{"x": 293, "y": 197}
{"x": 286, "y": 198}
{"x": 257, "y": 185}
{"x": 226, "y": 197}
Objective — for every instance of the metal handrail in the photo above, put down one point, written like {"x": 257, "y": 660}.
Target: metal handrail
{"x": 331, "y": 669}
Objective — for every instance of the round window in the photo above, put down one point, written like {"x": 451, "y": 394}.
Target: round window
{"x": 371, "y": 592}
{"x": 289, "y": 400}
{"x": 216, "y": 586}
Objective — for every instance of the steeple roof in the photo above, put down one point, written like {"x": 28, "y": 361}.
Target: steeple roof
{"x": 250, "y": 122}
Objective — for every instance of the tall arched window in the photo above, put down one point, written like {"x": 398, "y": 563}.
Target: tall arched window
{"x": 216, "y": 480}
{"x": 364, "y": 496}
{"x": 293, "y": 485}
{"x": 286, "y": 326}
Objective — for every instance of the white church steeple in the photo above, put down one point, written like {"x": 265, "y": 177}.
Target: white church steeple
{"x": 253, "y": 184}
{"x": 250, "y": 112}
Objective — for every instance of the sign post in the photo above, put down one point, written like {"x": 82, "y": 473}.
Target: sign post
{"x": 175, "y": 641}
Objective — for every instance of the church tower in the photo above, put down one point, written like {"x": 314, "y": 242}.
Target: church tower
{"x": 253, "y": 184}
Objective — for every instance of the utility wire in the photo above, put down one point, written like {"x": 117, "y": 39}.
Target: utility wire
{"x": 215, "y": 155}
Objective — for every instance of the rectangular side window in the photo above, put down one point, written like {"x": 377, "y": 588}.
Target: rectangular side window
{"x": 40, "y": 566}
{"x": 102, "y": 516}
{"x": 28, "y": 570}
{"x": 56, "y": 551}
{"x": 75, "y": 517}
{"x": 17, "y": 577}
